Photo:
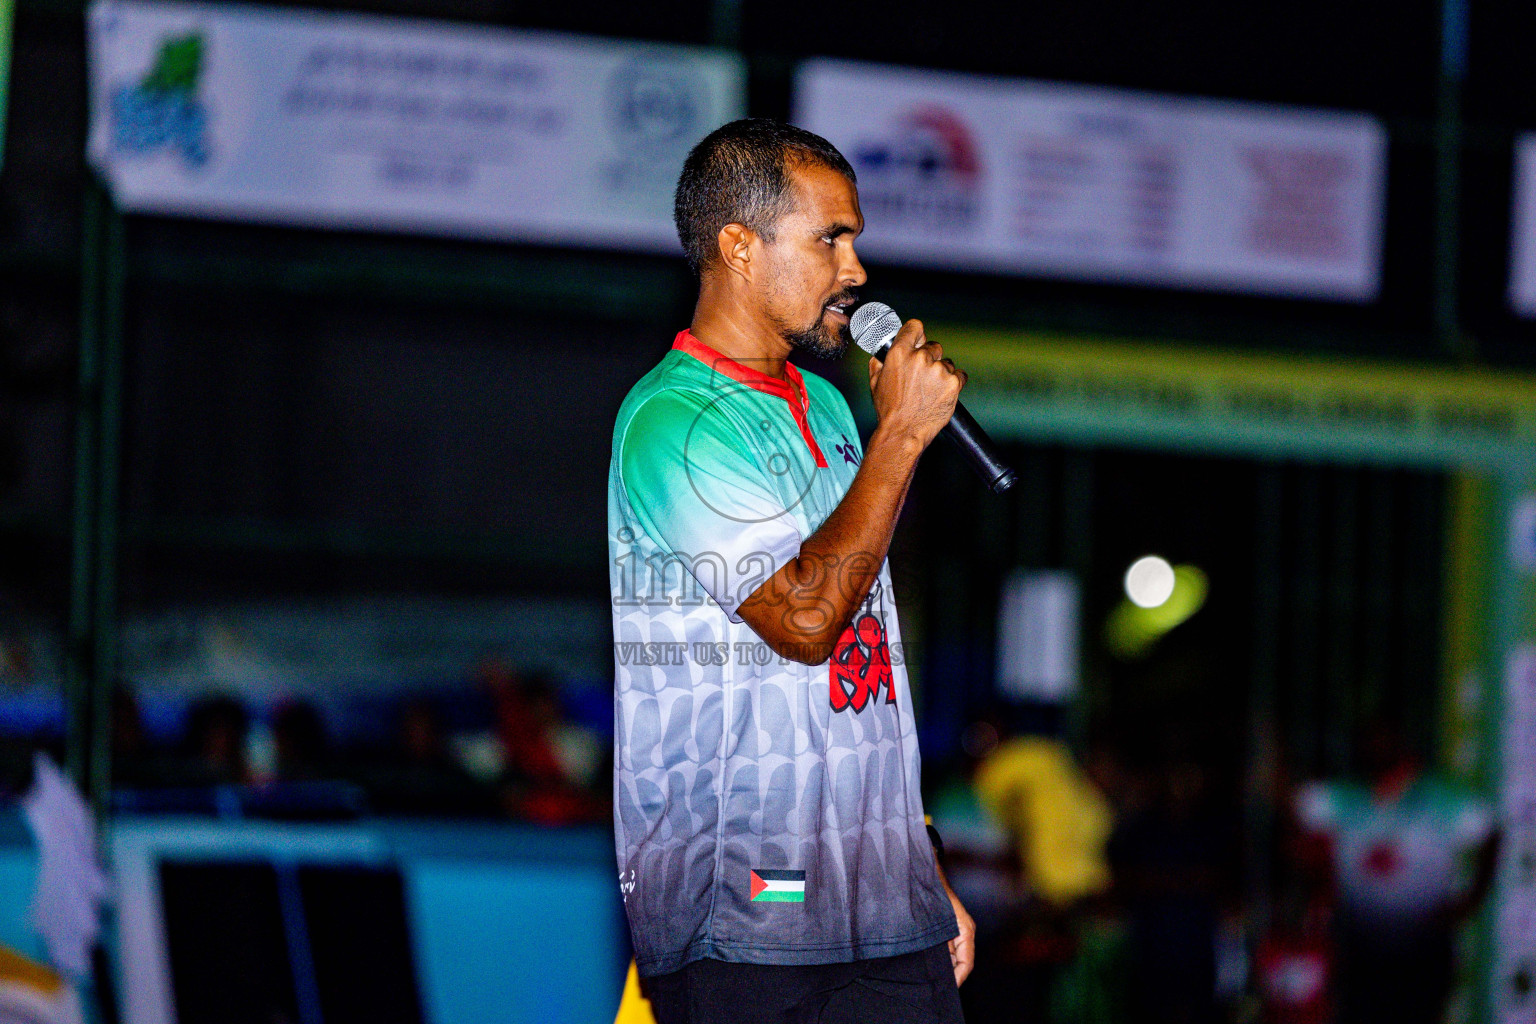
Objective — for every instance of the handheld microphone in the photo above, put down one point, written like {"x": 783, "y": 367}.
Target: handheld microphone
{"x": 874, "y": 326}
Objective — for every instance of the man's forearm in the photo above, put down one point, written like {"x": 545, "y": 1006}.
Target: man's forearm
{"x": 802, "y": 609}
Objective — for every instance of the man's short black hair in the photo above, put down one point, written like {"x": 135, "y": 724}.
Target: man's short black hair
{"x": 739, "y": 174}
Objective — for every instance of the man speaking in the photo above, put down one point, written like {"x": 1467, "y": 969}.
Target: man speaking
{"x": 772, "y": 850}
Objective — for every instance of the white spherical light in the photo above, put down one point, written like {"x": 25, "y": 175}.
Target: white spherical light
{"x": 1149, "y": 581}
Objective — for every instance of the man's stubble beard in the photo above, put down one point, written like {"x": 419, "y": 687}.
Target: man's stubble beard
{"x": 818, "y": 341}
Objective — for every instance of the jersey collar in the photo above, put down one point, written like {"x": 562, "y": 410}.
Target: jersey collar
{"x": 792, "y": 391}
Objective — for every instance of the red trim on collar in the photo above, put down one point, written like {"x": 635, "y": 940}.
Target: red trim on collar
{"x": 792, "y": 391}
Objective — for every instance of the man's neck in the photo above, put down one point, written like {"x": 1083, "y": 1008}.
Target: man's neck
{"x": 738, "y": 334}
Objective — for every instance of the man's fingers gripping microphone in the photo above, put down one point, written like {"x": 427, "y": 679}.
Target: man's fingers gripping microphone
{"x": 876, "y": 328}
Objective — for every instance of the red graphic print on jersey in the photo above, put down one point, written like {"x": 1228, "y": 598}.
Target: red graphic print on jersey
{"x": 861, "y": 665}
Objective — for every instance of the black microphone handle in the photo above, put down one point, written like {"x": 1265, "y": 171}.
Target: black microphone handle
{"x": 973, "y": 442}
{"x": 979, "y": 450}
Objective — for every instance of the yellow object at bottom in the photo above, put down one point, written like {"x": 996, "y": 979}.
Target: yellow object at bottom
{"x": 1058, "y": 818}
{"x": 634, "y": 1008}
{"x": 16, "y": 969}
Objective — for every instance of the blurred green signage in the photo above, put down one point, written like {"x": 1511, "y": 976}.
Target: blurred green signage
{"x": 1035, "y": 385}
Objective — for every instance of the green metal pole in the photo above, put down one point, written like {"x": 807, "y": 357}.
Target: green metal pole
{"x": 80, "y": 649}
{"x": 109, "y": 507}
{"x": 725, "y": 23}
{"x": 92, "y": 650}
{"x": 1448, "y": 140}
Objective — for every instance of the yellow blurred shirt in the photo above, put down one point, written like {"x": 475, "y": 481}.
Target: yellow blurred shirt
{"x": 1058, "y": 817}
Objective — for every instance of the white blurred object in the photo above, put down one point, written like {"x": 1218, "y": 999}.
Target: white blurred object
{"x": 70, "y": 883}
{"x": 480, "y": 754}
{"x": 1037, "y": 631}
{"x": 1149, "y": 582}
{"x": 261, "y": 752}
{"x": 1522, "y": 257}
{"x": 27, "y": 1004}
{"x": 579, "y": 751}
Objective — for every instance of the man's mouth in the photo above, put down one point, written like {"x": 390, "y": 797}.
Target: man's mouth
{"x": 840, "y": 307}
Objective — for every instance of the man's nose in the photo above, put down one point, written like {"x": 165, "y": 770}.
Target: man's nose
{"x": 853, "y": 273}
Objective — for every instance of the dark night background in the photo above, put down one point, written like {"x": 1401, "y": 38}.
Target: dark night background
{"x": 314, "y": 412}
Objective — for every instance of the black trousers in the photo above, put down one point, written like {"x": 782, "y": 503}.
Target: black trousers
{"x": 913, "y": 988}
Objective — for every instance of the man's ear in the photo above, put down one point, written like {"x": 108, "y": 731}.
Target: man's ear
{"x": 736, "y": 244}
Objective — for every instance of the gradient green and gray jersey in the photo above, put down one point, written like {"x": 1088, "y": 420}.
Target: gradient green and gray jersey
{"x": 766, "y": 811}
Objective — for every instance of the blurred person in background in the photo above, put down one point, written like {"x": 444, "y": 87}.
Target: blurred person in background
{"x": 429, "y": 780}
{"x": 1173, "y": 863}
{"x": 1412, "y": 855}
{"x": 772, "y": 847}
{"x": 1061, "y": 951}
{"x": 418, "y": 774}
{"x": 546, "y": 779}
{"x": 421, "y": 742}
{"x": 300, "y": 742}
{"x": 130, "y": 744}
{"x": 215, "y": 744}
{"x": 1295, "y": 965}
{"x": 1057, "y": 816}
{"x": 136, "y": 763}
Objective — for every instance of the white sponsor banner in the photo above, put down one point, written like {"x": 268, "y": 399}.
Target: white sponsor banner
{"x": 1522, "y": 243}
{"x": 1100, "y": 184}
{"x": 1037, "y": 636}
{"x": 341, "y": 120}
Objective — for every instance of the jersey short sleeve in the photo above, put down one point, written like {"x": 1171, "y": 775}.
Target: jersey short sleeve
{"x": 705, "y": 495}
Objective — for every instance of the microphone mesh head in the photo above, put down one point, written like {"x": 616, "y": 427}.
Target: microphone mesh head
{"x": 874, "y": 326}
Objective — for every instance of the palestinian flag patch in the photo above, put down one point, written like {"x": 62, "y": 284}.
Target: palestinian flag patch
{"x": 776, "y": 886}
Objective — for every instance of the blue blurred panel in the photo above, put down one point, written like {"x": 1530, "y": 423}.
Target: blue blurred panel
{"x": 32, "y": 713}
{"x": 18, "y": 875}
{"x": 519, "y": 943}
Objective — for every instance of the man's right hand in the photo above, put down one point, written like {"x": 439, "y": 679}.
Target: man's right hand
{"x": 916, "y": 388}
{"x": 802, "y": 609}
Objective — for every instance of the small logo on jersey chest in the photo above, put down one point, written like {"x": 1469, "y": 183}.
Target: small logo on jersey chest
{"x": 775, "y": 885}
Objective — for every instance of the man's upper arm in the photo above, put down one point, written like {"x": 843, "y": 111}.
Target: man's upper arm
{"x": 700, "y": 495}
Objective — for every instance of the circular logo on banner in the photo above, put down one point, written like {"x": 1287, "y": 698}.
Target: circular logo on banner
{"x": 655, "y": 109}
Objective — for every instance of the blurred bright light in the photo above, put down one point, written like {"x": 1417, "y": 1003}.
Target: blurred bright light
{"x": 1133, "y": 630}
{"x": 1149, "y": 582}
